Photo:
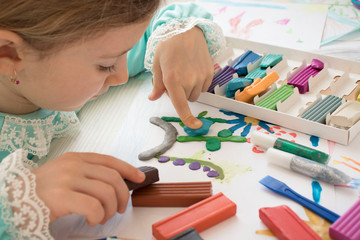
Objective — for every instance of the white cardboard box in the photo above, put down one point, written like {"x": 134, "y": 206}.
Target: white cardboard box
{"x": 346, "y": 72}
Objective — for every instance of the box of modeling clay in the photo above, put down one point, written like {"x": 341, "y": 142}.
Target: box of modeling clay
{"x": 307, "y": 92}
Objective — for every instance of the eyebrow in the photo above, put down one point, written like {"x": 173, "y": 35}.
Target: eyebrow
{"x": 116, "y": 55}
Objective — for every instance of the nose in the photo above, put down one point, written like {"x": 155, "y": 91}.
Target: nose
{"x": 118, "y": 78}
{"x": 121, "y": 75}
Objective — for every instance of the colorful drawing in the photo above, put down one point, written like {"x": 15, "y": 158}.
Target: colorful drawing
{"x": 348, "y": 164}
{"x": 262, "y": 21}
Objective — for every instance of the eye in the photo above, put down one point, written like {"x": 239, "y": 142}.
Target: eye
{"x": 107, "y": 68}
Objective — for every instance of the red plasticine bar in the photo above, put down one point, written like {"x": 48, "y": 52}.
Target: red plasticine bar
{"x": 285, "y": 224}
{"x": 200, "y": 216}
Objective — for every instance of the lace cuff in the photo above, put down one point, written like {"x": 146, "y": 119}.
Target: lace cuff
{"x": 212, "y": 32}
{"x": 25, "y": 214}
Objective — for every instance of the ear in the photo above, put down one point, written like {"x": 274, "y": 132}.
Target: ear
{"x": 10, "y": 52}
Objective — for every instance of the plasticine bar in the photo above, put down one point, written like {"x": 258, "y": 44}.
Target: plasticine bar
{"x": 347, "y": 227}
{"x": 200, "y": 216}
{"x": 181, "y": 194}
{"x": 301, "y": 79}
{"x": 258, "y": 86}
{"x": 151, "y": 176}
{"x": 188, "y": 234}
{"x": 285, "y": 224}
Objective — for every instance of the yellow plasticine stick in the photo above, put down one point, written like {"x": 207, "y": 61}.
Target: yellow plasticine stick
{"x": 258, "y": 86}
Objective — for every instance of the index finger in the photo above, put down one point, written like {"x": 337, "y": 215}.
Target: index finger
{"x": 179, "y": 100}
{"x": 125, "y": 169}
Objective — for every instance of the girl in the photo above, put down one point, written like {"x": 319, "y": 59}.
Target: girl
{"x": 57, "y": 55}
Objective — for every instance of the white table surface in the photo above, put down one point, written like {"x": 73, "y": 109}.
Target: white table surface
{"x": 118, "y": 124}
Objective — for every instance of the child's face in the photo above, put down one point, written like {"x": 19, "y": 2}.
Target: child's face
{"x": 80, "y": 72}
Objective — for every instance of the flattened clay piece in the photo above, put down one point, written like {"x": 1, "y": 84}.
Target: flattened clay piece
{"x": 213, "y": 144}
{"x": 179, "y": 162}
{"x": 194, "y": 165}
{"x": 200, "y": 131}
{"x": 206, "y": 169}
{"x": 225, "y": 133}
{"x": 163, "y": 159}
{"x": 169, "y": 139}
{"x": 213, "y": 174}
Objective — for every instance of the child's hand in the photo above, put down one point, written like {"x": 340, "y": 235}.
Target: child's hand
{"x": 183, "y": 68}
{"x": 87, "y": 184}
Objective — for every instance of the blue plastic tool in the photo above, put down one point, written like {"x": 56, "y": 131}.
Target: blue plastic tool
{"x": 282, "y": 189}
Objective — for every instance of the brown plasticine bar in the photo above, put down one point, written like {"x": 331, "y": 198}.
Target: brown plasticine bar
{"x": 177, "y": 194}
{"x": 151, "y": 176}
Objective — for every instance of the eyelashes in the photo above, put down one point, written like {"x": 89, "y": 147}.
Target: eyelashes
{"x": 107, "y": 68}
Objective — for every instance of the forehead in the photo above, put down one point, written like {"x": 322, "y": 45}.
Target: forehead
{"x": 116, "y": 40}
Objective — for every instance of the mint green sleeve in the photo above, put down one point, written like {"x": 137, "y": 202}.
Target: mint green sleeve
{"x": 23, "y": 215}
{"x": 167, "y": 22}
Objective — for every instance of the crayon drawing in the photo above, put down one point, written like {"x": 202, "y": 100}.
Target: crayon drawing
{"x": 271, "y": 23}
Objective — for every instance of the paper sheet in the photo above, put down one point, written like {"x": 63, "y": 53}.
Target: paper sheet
{"x": 289, "y": 25}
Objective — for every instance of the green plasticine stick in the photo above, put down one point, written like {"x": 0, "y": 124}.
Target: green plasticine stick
{"x": 280, "y": 95}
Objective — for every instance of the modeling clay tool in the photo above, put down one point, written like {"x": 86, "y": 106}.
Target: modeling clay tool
{"x": 179, "y": 194}
{"x": 347, "y": 227}
{"x": 222, "y": 77}
{"x": 200, "y": 216}
{"x": 285, "y": 224}
{"x": 279, "y": 95}
{"x": 301, "y": 79}
{"x": 282, "y": 189}
{"x": 151, "y": 176}
{"x": 318, "y": 111}
{"x": 307, "y": 167}
{"x": 267, "y": 141}
{"x": 257, "y": 87}
{"x": 243, "y": 61}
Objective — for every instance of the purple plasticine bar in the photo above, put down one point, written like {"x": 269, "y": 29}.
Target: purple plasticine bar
{"x": 301, "y": 79}
{"x": 347, "y": 227}
{"x": 285, "y": 224}
{"x": 222, "y": 77}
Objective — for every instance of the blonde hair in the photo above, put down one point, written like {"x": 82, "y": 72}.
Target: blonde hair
{"x": 49, "y": 24}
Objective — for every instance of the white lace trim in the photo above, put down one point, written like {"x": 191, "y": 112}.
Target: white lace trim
{"x": 213, "y": 34}
{"x": 35, "y": 135}
{"x": 26, "y": 215}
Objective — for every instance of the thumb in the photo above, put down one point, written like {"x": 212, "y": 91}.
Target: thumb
{"x": 158, "y": 85}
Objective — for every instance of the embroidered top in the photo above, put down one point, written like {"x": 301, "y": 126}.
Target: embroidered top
{"x": 25, "y": 139}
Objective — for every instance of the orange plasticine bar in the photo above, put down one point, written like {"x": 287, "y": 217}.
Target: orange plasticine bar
{"x": 258, "y": 86}
{"x": 200, "y": 216}
{"x": 285, "y": 224}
